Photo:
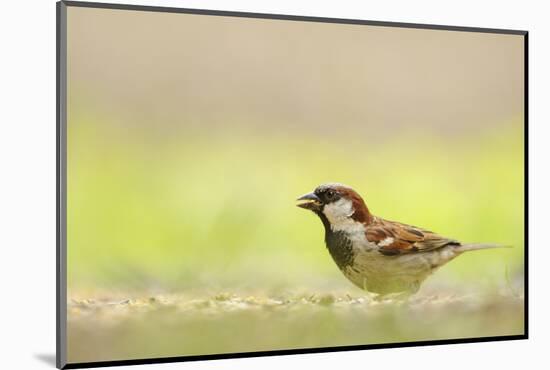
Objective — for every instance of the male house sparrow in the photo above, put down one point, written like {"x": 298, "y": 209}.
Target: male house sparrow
{"x": 380, "y": 256}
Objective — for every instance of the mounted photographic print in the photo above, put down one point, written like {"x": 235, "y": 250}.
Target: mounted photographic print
{"x": 237, "y": 184}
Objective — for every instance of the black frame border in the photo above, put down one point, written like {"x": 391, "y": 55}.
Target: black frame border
{"x": 61, "y": 181}
{"x": 61, "y": 186}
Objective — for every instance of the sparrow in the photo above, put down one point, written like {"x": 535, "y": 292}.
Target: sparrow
{"x": 377, "y": 255}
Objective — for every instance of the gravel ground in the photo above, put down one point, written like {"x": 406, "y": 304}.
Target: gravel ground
{"x": 117, "y": 326}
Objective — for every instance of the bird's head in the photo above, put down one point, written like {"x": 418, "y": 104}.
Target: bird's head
{"x": 336, "y": 204}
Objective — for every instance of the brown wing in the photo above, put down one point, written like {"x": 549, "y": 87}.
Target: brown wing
{"x": 394, "y": 238}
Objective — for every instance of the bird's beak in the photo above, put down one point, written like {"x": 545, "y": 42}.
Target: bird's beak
{"x": 310, "y": 201}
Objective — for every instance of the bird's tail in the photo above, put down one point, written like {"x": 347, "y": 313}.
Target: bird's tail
{"x": 477, "y": 246}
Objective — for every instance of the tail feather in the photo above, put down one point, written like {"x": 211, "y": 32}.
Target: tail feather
{"x": 478, "y": 246}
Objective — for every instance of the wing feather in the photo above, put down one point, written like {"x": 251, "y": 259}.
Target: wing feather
{"x": 393, "y": 238}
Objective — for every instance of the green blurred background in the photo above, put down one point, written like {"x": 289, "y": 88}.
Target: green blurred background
{"x": 190, "y": 137}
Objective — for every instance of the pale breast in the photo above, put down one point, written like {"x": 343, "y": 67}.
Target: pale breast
{"x": 383, "y": 274}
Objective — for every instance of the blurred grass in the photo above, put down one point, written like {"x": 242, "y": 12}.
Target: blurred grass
{"x": 216, "y": 209}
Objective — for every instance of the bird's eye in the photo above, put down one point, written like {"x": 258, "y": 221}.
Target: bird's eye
{"x": 330, "y": 194}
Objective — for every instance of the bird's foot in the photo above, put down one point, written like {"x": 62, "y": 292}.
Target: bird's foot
{"x": 399, "y": 298}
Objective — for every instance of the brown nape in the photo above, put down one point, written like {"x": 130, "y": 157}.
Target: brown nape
{"x": 362, "y": 213}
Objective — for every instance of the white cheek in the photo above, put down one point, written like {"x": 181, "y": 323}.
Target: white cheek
{"x": 338, "y": 211}
{"x": 339, "y": 215}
